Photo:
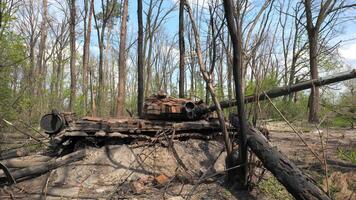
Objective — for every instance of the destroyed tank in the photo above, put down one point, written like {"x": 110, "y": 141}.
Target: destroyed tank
{"x": 160, "y": 114}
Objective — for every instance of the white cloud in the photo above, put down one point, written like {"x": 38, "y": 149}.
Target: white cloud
{"x": 348, "y": 53}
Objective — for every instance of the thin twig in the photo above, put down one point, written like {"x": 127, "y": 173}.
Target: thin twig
{"x": 23, "y": 132}
{"x": 324, "y": 158}
{"x": 293, "y": 128}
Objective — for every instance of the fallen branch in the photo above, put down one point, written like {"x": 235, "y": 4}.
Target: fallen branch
{"x": 48, "y": 166}
{"x": 14, "y": 153}
{"x": 26, "y": 161}
{"x": 287, "y": 173}
{"x": 23, "y": 132}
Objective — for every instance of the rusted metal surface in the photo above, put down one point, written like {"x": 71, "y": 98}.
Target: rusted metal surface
{"x": 168, "y": 108}
{"x": 135, "y": 128}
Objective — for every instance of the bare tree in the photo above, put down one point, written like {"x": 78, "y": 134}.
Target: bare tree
{"x": 73, "y": 71}
{"x": 140, "y": 83}
{"x": 86, "y": 49}
{"x": 235, "y": 31}
{"x": 181, "y": 49}
{"x": 108, "y": 10}
{"x": 314, "y": 24}
{"x": 122, "y": 62}
{"x": 42, "y": 48}
{"x": 206, "y": 77}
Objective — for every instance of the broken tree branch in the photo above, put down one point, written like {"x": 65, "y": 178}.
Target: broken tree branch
{"x": 286, "y": 172}
{"x": 40, "y": 169}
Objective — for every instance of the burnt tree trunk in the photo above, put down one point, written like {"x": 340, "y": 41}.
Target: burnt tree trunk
{"x": 286, "y": 172}
{"x": 181, "y": 49}
{"x": 236, "y": 39}
{"x": 140, "y": 89}
{"x": 73, "y": 78}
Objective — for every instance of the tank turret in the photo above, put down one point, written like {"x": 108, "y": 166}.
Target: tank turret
{"x": 162, "y": 107}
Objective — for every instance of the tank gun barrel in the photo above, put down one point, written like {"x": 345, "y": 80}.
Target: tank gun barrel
{"x": 282, "y": 91}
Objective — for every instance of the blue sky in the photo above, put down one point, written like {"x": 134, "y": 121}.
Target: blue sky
{"x": 347, "y": 49}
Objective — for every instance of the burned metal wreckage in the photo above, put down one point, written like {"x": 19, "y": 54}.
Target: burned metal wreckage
{"x": 162, "y": 115}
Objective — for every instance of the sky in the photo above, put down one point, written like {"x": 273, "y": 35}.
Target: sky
{"x": 346, "y": 40}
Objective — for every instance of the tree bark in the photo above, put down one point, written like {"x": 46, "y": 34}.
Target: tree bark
{"x": 73, "y": 78}
{"x": 86, "y": 50}
{"x": 286, "y": 172}
{"x": 181, "y": 49}
{"x": 140, "y": 89}
{"x": 122, "y": 62}
{"x": 42, "y": 48}
{"x": 236, "y": 39}
{"x": 313, "y": 62}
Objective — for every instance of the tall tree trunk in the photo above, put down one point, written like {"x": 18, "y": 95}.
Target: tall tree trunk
{"x": 181, "y": 49}
{"x": 42, "y": 49}
{"x": 313, "y": 34}
{"x": 149, "y": 64}
{"x": 73, "y": 78}
{"x": 140, "y": 89}
{"x": 314, "y": 95}
{"x": 86, "y": 49}
{"x": 122, "y": 62}
{"x": 236, "y": 39}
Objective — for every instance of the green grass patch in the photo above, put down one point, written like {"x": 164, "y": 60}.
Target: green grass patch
{"x": 274, "y": 190}
{"x": 340, "y": 122}
{"x": 348, "y": 155}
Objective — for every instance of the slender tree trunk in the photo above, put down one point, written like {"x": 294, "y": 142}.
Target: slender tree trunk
{"x": 206, "y": 77}
{"x": 140, "y": 89}
{"x": 42, "y": 49}
{"x": 149, "y": 67}
{"x": 73, "y": 78}
{"x": 86, "y": 55}
{"x": 181, "y": 49}
{"x": 122, "y": 62}
{"x": 236, "y": 39}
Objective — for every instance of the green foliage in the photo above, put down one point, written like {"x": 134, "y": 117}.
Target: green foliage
{"x": 266, "y": 84}
{"x": 111, "y": 13}
{"x": 339, "y": 121}
{"x": 349, "y": 155}
{"x": 273, "y": 189}
{"x": 12, "y": 54}
{"x": 291, "y": 110}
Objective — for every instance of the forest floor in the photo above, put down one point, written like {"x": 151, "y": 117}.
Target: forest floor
{"x": 192, "y": 169}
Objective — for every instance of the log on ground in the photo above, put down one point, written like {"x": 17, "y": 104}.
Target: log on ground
{"x": 286, "y": 172}
{"x": 48, "y": 166}
{"x": 26, "y": 161}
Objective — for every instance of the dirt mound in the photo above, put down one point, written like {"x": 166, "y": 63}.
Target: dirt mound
{"x": 108, "y": 170}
